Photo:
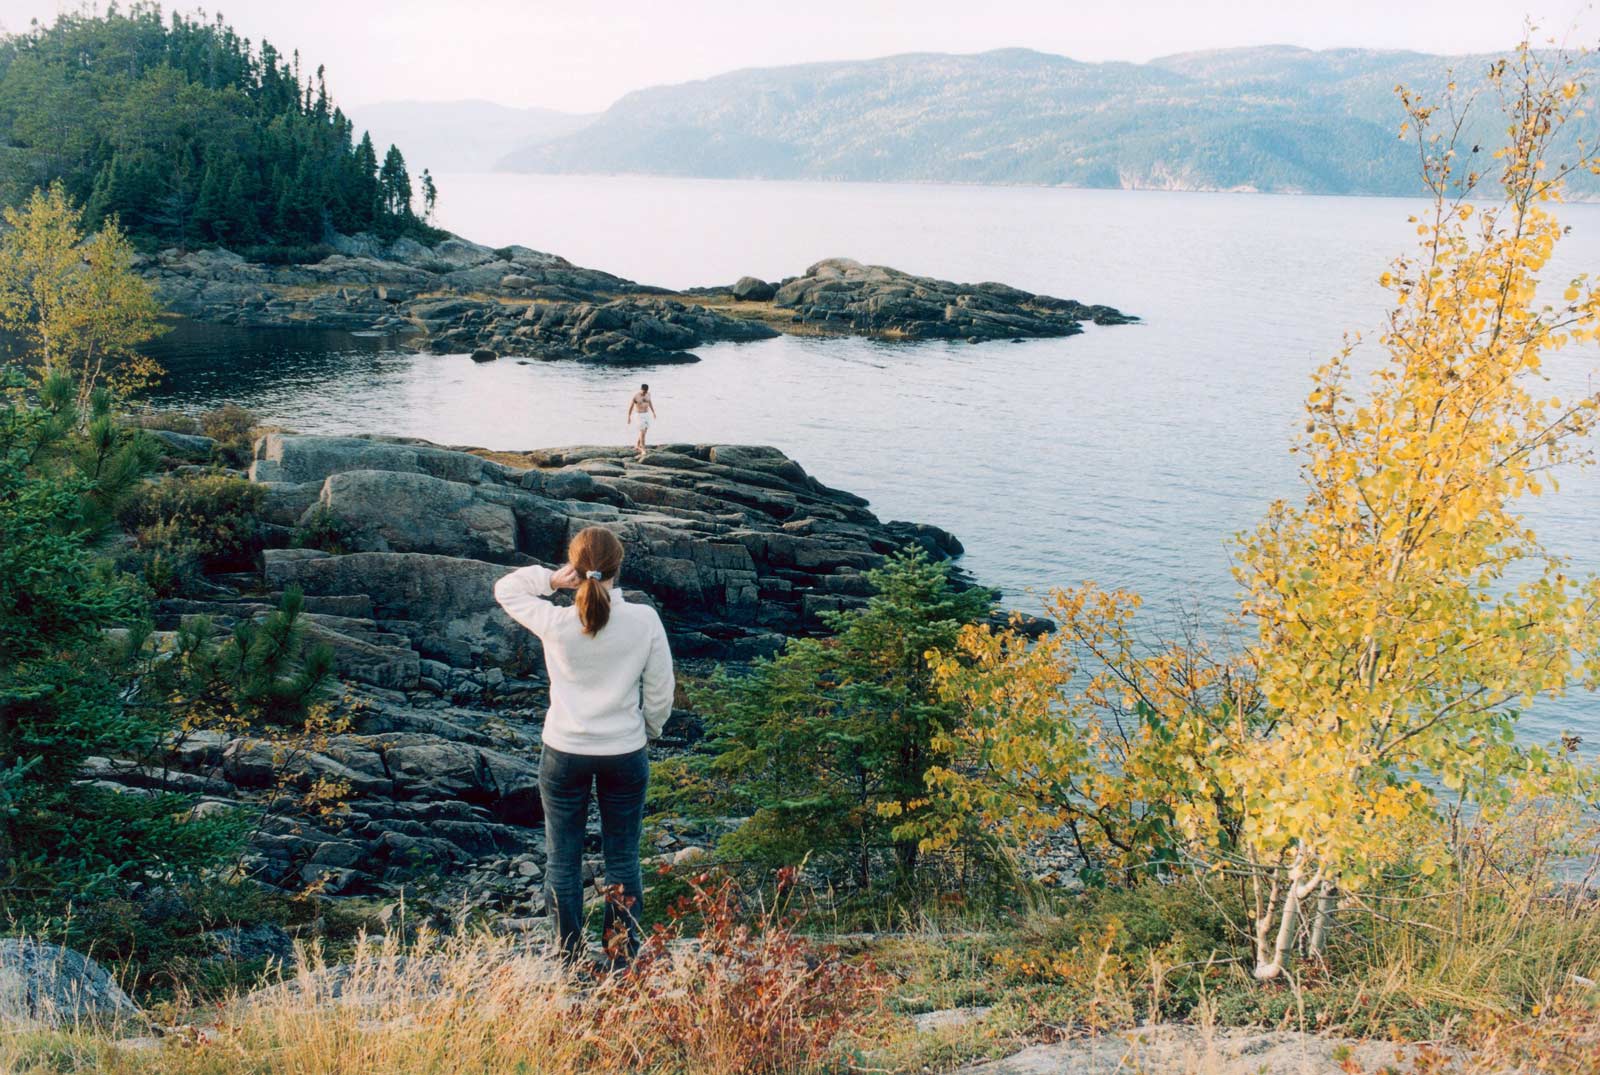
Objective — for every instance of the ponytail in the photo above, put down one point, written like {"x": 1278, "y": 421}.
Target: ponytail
{"x": 596, "y": 555}
{"x": 594, "y": 605}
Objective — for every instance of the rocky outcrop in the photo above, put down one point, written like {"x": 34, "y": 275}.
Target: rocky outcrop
{"x": 752, "y": 289}
{"x": 462, "y": 298}
{"x": 625, "y": 331}
{"x": 737, "y": 545}
{"x": 847, "y": 296}
{"x": 45, "y": 985}
{"x": 453, "y": 297}
{"x": 437, "y": 727}
{"x": 432, "y": 781}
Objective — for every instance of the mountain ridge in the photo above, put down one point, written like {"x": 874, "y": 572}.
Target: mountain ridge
{"x": 1276, "y": 118}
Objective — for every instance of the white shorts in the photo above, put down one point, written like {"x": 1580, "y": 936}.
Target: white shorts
{"x": 644, "y": 421}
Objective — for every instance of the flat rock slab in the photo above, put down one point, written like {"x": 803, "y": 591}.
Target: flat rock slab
{"x": 1182, "y": 1050}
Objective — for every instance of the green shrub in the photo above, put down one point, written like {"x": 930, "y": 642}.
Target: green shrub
{"x": 168, "y": 421}
{"x": 166, "y": 560}
{"x": 234, "y": 429}
{"x": 262, "y": 673}
{"x": 188, "y": 524}
{"x": 323, "y": 528}
{"x": 156, "y": 937}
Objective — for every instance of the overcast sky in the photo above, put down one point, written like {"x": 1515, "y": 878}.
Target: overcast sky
{"x": 581, "y": 55}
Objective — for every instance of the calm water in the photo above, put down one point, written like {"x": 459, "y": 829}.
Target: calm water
{"x": 1127, "y": 455}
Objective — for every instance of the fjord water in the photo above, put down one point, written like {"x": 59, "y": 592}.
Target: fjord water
{"x": 1126, "y": 455}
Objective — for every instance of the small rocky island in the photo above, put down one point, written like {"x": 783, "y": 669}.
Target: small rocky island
{"x": 458, "y": 297}
{"x": 844, "y": 296}
{"x": 443, "y": 695}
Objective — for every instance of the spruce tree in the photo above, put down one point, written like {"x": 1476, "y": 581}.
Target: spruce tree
{"x": 827, "y": 746}
{"x": 211, "y": 209}
{"x": 394, "y": 185}
{"x": 237, "y": 210}
{"x": 367, "y": 200}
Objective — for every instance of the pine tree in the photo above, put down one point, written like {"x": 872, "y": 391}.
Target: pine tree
{"x": 61, "y": 697}
{"x": 367, "y": 198}
{"x": 828, "y": 745}
{"x": 125, "y": 190}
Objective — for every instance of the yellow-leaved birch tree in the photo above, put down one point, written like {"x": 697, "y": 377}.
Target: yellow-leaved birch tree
{"x": 73, "y": 301}
{"x": 1397, "y": 619}
{"x": 1405, "y": 611}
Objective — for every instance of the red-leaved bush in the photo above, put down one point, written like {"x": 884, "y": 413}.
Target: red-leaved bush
{"x": 741, "y": 993}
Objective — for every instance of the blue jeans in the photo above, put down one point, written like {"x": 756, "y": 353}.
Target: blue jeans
{"x": 564, "y": 783}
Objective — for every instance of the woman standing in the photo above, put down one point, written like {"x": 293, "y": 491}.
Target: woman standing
{"x": 611, "y": 689}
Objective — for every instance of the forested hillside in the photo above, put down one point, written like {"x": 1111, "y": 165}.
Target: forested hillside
{"x": 191, "y": 135}
{"x": 1269, "y": 119}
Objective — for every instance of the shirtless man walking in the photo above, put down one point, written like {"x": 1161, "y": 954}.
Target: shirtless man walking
{"x": 646, "y": 410}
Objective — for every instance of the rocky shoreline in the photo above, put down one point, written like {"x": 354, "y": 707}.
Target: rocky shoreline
{"x": 459, "y": 297}
{"x": 846, "y": 297}
{"x": 443, "y": 696}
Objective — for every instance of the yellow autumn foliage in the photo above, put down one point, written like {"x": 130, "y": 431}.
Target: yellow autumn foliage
{"x": 1395, "y": 621}
{"x": 73, "y": 300}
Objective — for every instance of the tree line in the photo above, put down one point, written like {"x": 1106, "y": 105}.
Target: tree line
{"x": 189, "y": 134}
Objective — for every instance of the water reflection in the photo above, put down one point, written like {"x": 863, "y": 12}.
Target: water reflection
{"x": 210, "y": 363}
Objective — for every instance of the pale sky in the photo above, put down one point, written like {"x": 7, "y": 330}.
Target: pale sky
{"x": 581, "y": 56}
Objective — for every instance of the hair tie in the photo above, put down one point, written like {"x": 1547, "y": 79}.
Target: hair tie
{"x": 594, "y": 575}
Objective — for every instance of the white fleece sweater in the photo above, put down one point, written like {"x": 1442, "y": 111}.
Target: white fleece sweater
{"x": 596, "y": 681}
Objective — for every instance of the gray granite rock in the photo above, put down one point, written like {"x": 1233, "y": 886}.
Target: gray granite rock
{"x": 416, "y": 512}
{"x": 47, "y": 985}
{"x": 1215, "y": 1051}
{"x": 847, "y": 296}
{"x": 185, "y": 445}
{"x": 261, "y": 941}
{"x": 753, "y": 289}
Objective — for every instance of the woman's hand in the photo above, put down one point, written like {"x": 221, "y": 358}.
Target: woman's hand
{"x": 565, "y": 579}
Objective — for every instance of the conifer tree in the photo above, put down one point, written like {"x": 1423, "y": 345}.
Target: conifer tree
{"x": 394, "y": 185}
{"x": 828, "y": 745}
{"x": 211, "y": 210}
{"x": 430, "y": 196}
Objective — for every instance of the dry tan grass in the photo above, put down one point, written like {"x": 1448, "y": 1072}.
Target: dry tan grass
{"x": 736, "y": 998}
{"x": 775, "y": 317}
{"x": 514, "y": 460}
{"x": 458, "y": 1004}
